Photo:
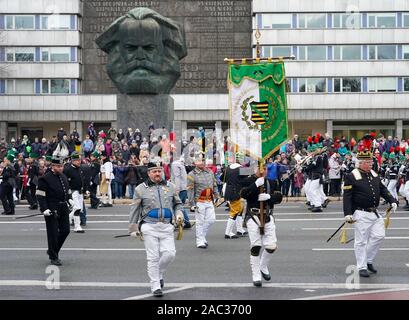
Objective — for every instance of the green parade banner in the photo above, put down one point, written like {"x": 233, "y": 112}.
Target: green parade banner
{"x": 258, "y": 107}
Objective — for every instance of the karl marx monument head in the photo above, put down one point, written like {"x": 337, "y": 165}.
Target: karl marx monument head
{"x": 144, "y": 49}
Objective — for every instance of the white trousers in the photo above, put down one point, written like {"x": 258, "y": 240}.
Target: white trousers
{"x": 392, "y": 188}
{"x": 369, "y": 232}
{"x": 269, "y": 239}
{"x": 205, "y": 217}
{"x": 315, "y": 189}
{"x": 160, "y": 250}
{"x": 307, "y": 190}
{"x": 404, "y": 190}
{"x": 322, "y": 195}
{"x": 107, "y": 197}
{"x": 78, "y": 200}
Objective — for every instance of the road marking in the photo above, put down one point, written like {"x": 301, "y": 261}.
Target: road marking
{"x": 352, "y": 294}
{"x": 74, "y": 249}
{"x": 149, "y": 295}
{"x": 89, "y": 229}
{"x": 396, "y": 238}
{"x": 217, "y": 220}
{"x": 351, "y": 249}
{"x": 317, "y": 229}
{"x": 30, "y": 283}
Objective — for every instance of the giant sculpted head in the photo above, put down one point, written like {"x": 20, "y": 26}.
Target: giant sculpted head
{"x": 144, "y": 49}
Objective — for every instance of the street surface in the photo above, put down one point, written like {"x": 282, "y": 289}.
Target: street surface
{"x": 97, "y": 266}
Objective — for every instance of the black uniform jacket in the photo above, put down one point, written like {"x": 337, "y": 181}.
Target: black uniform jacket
{"x": 52, "y": 191}
{"x": 250, "y": 193}
{"x": 363, "y": 190}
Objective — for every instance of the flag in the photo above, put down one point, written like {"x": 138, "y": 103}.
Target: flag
{"x": 258, "y": 107}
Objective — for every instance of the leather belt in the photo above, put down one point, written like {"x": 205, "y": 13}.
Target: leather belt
{"x": 371, "y": 209}
{"x": 257, "y": 211}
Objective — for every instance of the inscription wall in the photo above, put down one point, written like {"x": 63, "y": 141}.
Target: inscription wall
{"x": 214, "y": 30}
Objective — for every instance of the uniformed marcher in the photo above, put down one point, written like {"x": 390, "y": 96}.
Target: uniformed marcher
{"x": 33, "y": 173}
{"x": 233, "y": 181}
{"x": 404, "y": 191}
{"x": 202, "y": 193}
{"x": 95, "y": 170}
{"x": 362, "y": 191}
{"x": 7, "y": 184}
{"x": 156, "y": 206}
{"x": 259, "y": 259}
{"x": 392, "y": 172}
{"x": 54, "y": 197}
{"x": 78, "y": 185}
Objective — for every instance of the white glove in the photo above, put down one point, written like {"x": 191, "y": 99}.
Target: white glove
{"x": 179, "y": 217}
{"x": 260, "y": 182}
{"x": 394, "y": 207}
{"x": 47, "y": 213}
{"x": 349, "y": 218}
{"x": 135, "y": 234}
{"x": 263, "y": 197}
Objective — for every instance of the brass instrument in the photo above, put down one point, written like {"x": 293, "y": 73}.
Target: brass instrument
{"x": 305, "y": 160}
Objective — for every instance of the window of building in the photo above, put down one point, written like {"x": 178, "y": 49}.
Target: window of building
{"x": 312, "y": 21}
{"x": 406, "y": 84}
{"x": 281, "y": 51}
{"x": 20, "y": 86}
{"x": 405, "y": 51}
{"x": 57, "y": 21}
{"x": 405, "y": 18}
{"x": 20, "y": 22}
{"x": 347, "y": 85}
{"x": 386, "y": 52}
{"x": 382, "y": 20}
{"x": 312, "y": 53}
{"x": 382, "y": 52}
{"x": 385, "y": 84}
{"x": 312, "y": 85}
{"x": 56, "y": 54}
{"x": 347, "y": 53}
{"x": 276, "y": 21}
{"x": 55, "y": 86}
{"x": 19, "y": 54}
{"x": 346, "y": 20}
{"x": 273, "y": 51}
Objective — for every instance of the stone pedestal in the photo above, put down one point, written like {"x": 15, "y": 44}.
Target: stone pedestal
{"x": 137, "y": 111}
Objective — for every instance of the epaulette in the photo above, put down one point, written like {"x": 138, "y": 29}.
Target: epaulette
{"x": 356, "y": 174}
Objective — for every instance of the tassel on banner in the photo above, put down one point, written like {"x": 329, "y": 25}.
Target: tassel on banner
{"x": 343, "y": 236}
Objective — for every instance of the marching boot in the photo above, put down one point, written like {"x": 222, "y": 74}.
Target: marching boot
{"x": 371, "y": 268}
{"x": 264, "y": 261}
{"x": 77, "y": 225}
{"x": 406, "y": 208}
{"x": 228, "y": 234}
{"x": 316, "y": 209}
{"x": 325, "y": 204}
{"x": 255, "y": 270}
{"x": 364, "y": 273}
{"x": 241, "y": 232}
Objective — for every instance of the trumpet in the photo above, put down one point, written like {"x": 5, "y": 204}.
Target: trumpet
{"x": 304, "y": 161}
